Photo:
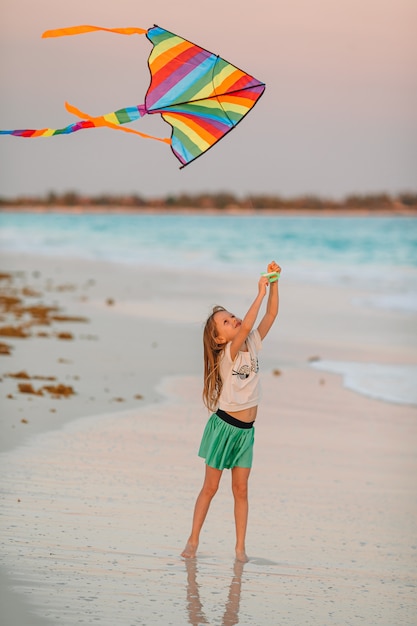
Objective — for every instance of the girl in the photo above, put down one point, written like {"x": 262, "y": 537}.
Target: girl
{"x": 231, "y": 391}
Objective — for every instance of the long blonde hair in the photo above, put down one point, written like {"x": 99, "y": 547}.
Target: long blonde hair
{"x": 212, "y": 352}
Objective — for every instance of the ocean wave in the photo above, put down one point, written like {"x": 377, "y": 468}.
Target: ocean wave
{"x": 378, "y": 254}
{"x": 390, "y": 383}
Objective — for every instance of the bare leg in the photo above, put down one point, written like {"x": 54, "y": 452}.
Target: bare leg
{"x": 210, "y": 486}
{"x": 240, "y": 477}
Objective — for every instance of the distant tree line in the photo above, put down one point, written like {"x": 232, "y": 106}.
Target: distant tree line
{"x": 218, "y": 201}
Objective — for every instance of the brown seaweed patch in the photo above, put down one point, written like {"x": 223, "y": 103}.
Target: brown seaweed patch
{"x": 30, "y": 293}
{"x": 9, "y": 303}
{"x": 28, "y": 388}
{"x": 40, "y": 312}
{"x": 59, "y": 391}
{"x": 276, "y": 372}
{"x": 24, "y": 421}
{"x": 65, "y": 336}
{"x": 22, "y": 375}
{"x": 4, "y": 276}
{"x": 14, "y": 331}
{"x": 138, "y": 396}
{"x": 5, "y": 349}
{"x": 69, "y": 318}
{"x": 44, "y": 377}
{"x": 25, "y": 376}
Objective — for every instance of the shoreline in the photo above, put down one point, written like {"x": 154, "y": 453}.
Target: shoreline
{"x": 238, "y": 211}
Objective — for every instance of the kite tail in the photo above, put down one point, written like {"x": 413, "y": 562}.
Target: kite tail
{"x": 110, "y": 120}
{"x": 49, "y": 132}
{"x": 80, "y": 30}
{"x": 116, "y": 118}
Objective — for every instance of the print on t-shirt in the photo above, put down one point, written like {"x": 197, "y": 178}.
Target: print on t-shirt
{"x": 244, "y": 371}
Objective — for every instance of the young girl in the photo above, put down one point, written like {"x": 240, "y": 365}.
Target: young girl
{"x": 232, "y": 392}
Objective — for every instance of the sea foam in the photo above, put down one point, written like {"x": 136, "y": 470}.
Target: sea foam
{"x": 392, "y": 383}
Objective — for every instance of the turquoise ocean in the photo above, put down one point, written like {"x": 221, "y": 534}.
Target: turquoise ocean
{"x": 330, "y": 248}
{"x": 375, "y": 254}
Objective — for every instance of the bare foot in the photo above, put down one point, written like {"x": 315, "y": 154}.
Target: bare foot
{"x": 241, "y": 556}
{"x": 190, "y": 550}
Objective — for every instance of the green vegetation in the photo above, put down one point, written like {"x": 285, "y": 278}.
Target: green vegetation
{"x": 72, "y": 200}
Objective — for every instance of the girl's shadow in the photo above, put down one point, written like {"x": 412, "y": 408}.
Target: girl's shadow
{"x": 195, "y": 608}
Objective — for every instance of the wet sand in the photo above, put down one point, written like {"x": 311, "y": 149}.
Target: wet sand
{"x": 99, "y": 484}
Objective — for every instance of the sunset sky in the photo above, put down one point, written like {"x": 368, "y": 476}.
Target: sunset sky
{"x": 338, "y": 115}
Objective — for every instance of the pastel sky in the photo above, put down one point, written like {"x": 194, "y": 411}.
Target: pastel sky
{"x": 338, "y": 115}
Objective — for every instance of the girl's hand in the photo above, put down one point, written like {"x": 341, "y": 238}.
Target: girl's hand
{"x": 273, "y": 267}
{"x": 263, "y": 285}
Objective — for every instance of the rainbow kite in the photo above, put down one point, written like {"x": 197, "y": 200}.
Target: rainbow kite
{"x": 199, "y": 94}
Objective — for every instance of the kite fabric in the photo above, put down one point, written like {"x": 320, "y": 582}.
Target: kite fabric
{"x": 199, "y": 94}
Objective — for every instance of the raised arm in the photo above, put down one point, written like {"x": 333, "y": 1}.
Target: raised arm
{"x": 272, "y": 304}
{"x": 249, "y": 319}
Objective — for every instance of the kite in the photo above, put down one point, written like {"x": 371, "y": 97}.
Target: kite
{"x": 201, "y": 96}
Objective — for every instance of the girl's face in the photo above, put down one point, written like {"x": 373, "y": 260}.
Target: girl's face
{"x": 227, "y": 326}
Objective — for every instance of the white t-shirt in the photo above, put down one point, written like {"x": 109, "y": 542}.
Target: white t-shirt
{"x": 241, "y": 384}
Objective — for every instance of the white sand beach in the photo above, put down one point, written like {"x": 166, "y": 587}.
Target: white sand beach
{"x": 100, "y": 471}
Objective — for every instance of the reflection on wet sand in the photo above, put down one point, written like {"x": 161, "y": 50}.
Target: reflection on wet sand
{"x": 195, "y": 608}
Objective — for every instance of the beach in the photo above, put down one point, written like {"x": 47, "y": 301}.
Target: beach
{"x": 101, "y": 417}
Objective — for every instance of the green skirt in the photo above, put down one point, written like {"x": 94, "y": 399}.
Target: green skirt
{"x": 224, "y": 446}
